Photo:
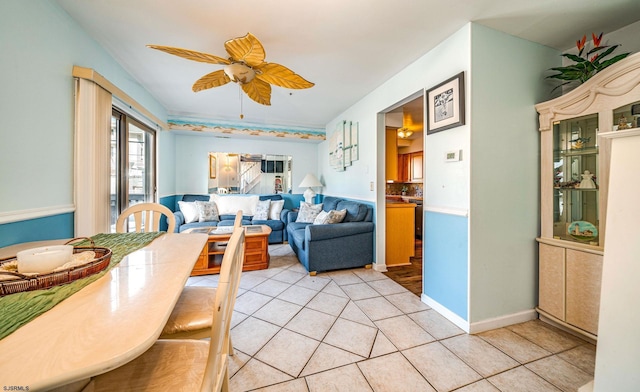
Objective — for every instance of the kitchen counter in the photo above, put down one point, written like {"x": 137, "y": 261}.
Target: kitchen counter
{"x": 403, "y": 199}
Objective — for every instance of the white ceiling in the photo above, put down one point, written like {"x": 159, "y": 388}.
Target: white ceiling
{"x": 346, "y": 47}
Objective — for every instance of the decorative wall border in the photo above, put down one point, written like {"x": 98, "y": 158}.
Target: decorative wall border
{"x": 318, "y": 135}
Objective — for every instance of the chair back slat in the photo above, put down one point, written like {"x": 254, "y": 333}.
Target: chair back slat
{"x": 216, "y": 372}
{"x": 147, "y": 214}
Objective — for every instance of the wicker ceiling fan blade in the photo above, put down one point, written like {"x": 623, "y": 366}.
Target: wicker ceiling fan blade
{"x": 210, "y": 80}
{"x": 191, "y": 54}
{"x": 259, "y": 91}
{"x": 246, "y": 49}
{"x": 282, "y": 76}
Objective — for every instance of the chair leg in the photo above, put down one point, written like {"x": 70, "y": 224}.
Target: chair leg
{"x": 231, "y": 351}
{"x": 225, "y": 380}
{"x": 313, "y": 273}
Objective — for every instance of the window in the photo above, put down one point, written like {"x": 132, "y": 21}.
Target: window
{"x": 133, "y": 162}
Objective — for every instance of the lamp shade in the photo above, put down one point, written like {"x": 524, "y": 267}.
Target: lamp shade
{"x": 310, "y": 181}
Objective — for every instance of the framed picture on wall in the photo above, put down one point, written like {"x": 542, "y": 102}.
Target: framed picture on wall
{"x": 212, "y": 166}
{"x": 445, "y": 105}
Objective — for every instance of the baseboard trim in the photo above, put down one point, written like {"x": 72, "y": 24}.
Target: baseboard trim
{"x": 34, "y": 213}
{"x": 448, "y": 314}
{"x": 503, "y": 321}
{"x": 480, "y": 326}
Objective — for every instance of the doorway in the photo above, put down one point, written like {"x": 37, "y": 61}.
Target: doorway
{"x": 404, "y": 180}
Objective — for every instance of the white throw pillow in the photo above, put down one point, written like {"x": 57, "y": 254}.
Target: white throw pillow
{"x": 229, "y": 205}
{"x": 308, "y": 212}
{"x": 207, "y": 211}
{"x": 189, "y": 211}
{"x": 321, "y": 218}
{"x": 262, "y": 210}
{"x": 275, "y": 209}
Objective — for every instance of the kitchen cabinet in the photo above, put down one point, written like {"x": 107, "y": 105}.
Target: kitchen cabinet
{"x": 400, "y": 233}
{"x": 410, "y": 167}
{"x": 416, "y": 164}
{"x": 574, "y": 179}
{"x": 391, "y": 156}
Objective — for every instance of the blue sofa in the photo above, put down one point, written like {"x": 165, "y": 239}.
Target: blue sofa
{"x": 278, "y": 227}
{"x": 334, "y": 246}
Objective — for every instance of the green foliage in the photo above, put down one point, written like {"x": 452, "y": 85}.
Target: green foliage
{"x": 585, "y": 67}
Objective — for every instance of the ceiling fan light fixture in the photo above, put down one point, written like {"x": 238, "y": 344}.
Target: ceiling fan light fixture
{"x": 404, "y": 133}
{"x": 239, "y": 73}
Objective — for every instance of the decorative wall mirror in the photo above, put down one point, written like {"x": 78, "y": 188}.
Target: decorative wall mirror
{"x": 249, "y": 173}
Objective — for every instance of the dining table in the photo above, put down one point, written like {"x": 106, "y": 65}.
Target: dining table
{"x": 104, "y": 325}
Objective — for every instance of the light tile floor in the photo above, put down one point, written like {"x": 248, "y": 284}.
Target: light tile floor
{"x": 357, "y": 330}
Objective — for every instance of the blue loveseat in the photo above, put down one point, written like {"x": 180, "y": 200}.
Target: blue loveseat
{"x": 278, "y": 226}
{"x": 325, "y": 247}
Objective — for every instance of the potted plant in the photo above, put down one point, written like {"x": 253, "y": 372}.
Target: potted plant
{"x": 404, "y": 190}
{"x": 586, "y": 64}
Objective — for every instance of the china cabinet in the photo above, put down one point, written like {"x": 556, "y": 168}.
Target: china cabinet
{"x": 574, "y": 187}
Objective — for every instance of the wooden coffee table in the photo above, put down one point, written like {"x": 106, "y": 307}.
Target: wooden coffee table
{"x": 256, "y": 250}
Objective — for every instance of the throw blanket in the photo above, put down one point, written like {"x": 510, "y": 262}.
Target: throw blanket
{"x": 18, "y": 309}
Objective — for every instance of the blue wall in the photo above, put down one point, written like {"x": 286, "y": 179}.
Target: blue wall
{"x": 446, "y": 265}
{"x": 47, "y": 228}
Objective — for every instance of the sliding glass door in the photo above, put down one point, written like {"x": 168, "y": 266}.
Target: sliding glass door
{"x": 133, "y": 178}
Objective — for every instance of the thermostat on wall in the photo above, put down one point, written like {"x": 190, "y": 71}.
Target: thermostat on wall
{"x": 453, "y": 156}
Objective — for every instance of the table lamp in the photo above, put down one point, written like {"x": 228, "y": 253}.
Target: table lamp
{"x": 310, "y": 181}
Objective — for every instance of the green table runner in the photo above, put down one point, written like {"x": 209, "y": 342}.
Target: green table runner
{"x": 18, "y": 309}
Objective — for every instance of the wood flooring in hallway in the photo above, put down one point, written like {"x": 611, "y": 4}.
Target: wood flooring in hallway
{"x": 409, "y": 276}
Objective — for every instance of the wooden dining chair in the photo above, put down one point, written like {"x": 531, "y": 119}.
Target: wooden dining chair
{"x": 187, "y": 365}
{"x": 146, "y": 217}
{"x": 192, "y": 315}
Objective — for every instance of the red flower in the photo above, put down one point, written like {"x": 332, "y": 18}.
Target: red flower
{"x": 580, "y": 43}
{"x": 596, "y": 40}
{"x": 593, "y": 58}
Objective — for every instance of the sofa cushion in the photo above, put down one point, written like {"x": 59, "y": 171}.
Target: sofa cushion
{"x": 330, "y": 203}
{"x": 189, "y": 211}
{"x": 195, "y": 197}
{"x": 197, "y": 224}
{"x": 356, "y": 212}
{"x": 230, "y": 222}
{"x": 308, "y": 212}
{"x": 207, "y": 211}
{"x": 271, "y": 197}
{"x": 262, "y": 210}
{"x": 275, "y": 225}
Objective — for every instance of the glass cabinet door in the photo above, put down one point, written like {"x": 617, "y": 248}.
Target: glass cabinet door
{"x": 575, "y": 188}
{"x": 627, "y": 117}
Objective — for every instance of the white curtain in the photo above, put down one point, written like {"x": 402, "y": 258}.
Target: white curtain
{"x": 92, "y": 158}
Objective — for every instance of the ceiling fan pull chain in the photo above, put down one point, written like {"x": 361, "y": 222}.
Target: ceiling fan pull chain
{"x": 240, "y": 95}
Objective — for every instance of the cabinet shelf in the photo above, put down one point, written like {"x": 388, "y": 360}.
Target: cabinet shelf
{"x": 576, "y": 152}
{"x": 576, "y": 189}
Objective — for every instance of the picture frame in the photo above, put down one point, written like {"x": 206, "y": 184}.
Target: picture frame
{"x": 354, "y": 140}
{"x": 445, "y": 105}
{"x": 212, "y": 166}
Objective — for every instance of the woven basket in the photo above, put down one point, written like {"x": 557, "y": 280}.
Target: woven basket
{"x": 45, "y": 281}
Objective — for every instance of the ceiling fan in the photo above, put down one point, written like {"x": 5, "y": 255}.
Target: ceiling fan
{"x": 245, "y": 66}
